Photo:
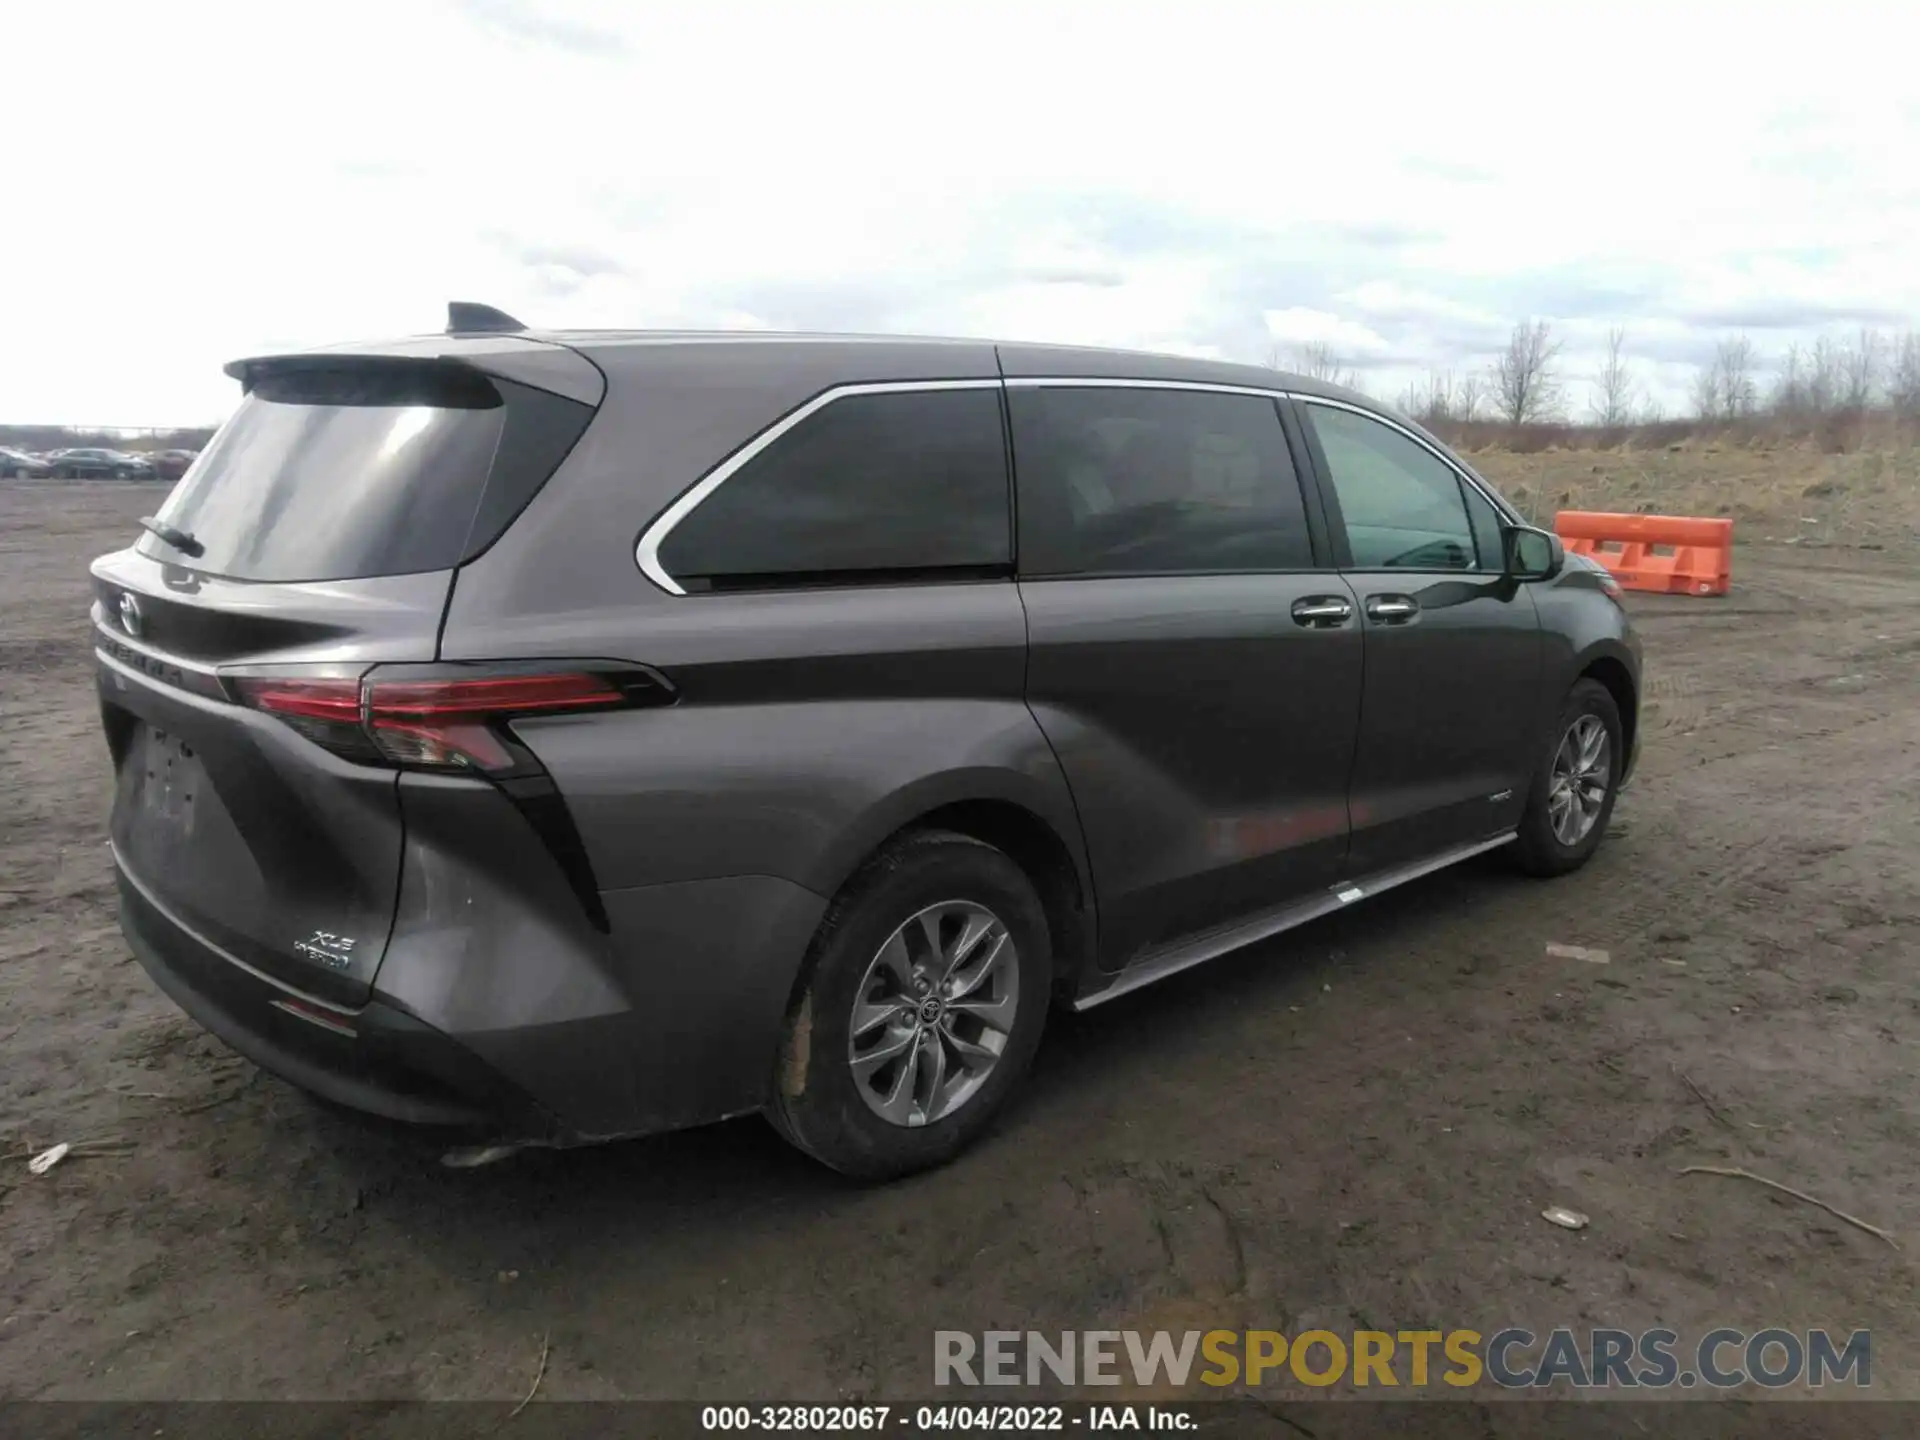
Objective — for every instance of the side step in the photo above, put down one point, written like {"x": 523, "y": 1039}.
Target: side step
{"x": 1165, "y": 960}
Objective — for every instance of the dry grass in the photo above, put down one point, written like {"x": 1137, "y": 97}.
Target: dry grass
{"x": 1833, "y": 432}
{"x": 1772, "y": 490}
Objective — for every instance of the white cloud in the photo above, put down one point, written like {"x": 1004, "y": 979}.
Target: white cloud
{"x": 1297, "y": 326}
{"x": 1399, "y": 181}
{"x": 1392, "y": 300}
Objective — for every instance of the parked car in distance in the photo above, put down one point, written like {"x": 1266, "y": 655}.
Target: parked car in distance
{"x": 19, "y": 465}
{"x": 86, "y": 463}
{"x": 171, "y": 464}
{"x": 711, "y": 724}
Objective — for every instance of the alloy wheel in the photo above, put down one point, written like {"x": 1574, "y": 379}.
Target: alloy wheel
{"x": 1577, "y": 785}
{"x": 934, "y": 1012}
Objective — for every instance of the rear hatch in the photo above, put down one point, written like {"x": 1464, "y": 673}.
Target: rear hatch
{"x": 314, "y": 539}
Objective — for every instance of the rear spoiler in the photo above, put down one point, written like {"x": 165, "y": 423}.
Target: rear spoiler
{"x": 540, "y": 364}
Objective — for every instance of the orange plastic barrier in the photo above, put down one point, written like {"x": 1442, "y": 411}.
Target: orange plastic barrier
{"x": 1697, "y": 558}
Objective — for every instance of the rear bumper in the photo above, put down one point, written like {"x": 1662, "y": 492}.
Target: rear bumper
{"x": 483, "y": 1022}
{"x": 376, "y": 1058}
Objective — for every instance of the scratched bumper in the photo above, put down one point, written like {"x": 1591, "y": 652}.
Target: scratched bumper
{"x": 374, "y": 1058}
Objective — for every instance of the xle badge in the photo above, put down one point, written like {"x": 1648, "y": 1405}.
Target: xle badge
{"x": 331, "y": 950}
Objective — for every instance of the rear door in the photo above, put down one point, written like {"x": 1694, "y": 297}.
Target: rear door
{"x": 1452, "y": 648}
{"x": 1194, "y": 662}
{"x": 315, "y": 537}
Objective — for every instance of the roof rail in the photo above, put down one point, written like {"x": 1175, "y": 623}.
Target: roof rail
{"x": 467, "y": 317}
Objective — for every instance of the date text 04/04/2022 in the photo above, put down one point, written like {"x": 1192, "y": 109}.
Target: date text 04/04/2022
{"x": 935, "y": 1419}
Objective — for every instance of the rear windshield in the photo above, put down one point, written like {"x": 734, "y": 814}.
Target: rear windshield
{"x": 347, "y": 473}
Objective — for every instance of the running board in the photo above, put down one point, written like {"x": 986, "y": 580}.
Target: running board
{"x": 1157, "y": 964}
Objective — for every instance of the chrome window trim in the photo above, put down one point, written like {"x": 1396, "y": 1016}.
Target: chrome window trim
{"x": 647, "y": 552}
{"x": 1102, "y": 382}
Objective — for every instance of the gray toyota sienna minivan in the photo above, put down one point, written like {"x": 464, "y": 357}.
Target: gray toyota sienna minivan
{"x": 569, "y": 735}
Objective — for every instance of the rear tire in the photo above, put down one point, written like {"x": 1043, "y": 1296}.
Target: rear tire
{"x": 1570, "y": 799}
{"x": 934, "y": 920}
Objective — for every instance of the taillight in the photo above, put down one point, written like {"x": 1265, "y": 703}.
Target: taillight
{"x": 450, "y": 724}
{"x": 326, "y": 711}
{"x": 456, "y": 723}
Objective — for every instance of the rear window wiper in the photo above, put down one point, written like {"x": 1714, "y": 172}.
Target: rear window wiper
{"x": 177, "y": 538}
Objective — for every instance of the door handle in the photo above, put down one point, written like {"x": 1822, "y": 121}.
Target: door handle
{"x": 1392, "y": 609}
{"x": 1322, "y": 612}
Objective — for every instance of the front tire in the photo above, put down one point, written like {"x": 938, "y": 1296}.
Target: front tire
{"x": 920, "y": 1010}
{"x": 1574, "y": 786}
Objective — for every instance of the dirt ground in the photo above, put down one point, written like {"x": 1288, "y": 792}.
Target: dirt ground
{"x": 1354, "y": 1126}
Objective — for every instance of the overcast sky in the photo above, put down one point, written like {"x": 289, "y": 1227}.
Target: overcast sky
{"x": 192, "y": 181}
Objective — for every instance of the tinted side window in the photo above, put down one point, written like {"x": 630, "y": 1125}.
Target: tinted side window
{"x": 1401, "y": 505}
{"x": 1133, "y": 481}
{"x": 867, "y": 488}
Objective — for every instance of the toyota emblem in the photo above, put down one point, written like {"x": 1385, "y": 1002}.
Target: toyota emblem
{"x": 131, "y": 619}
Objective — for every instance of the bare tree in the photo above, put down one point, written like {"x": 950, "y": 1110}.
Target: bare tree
{"x": 1725, "y": 389}
{"x": 1316, "y": 360}
{"x": 1739, "y": 392}
{"x": 1789, "y": 397}
{"x": 1413, "y": 400}
{"x": 1469, "y": 398}
{"x": 1440, "y": 396}
{"x": 1903, "y": 375}
{"x": 1613, "y": 385}
{"x": 1704, "y": 393}
{"x": 1860, "y": 370}
{"x": 1824, "y": 365}
{"x": 1525, "y": 387}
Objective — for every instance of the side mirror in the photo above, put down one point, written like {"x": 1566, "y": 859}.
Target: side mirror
{"x": 1532, "y": 554}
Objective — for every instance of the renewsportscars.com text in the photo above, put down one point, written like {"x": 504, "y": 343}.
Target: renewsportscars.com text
{"x": 1513, "y": 1357}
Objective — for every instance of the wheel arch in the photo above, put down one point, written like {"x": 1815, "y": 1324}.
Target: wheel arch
{"x": 1015, "y": 816}
{"x": 1612, "y": 672}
